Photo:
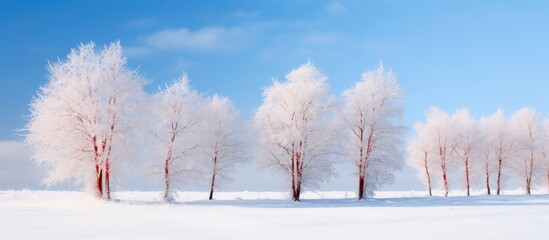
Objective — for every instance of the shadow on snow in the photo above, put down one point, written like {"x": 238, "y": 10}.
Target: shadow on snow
{"x": 503, "y": 200}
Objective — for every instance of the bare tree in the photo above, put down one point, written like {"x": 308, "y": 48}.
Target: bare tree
{"x": 222, "y": 140}
{"x": 371, "y": 119}
{"x": 82, "y": 120}
{"x": 292, "y": 124}
{"x": 177, "y": 112}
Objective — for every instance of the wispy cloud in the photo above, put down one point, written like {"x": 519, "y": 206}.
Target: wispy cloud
{"x": 214, "y": 38}
{"x": 301, "y": 44}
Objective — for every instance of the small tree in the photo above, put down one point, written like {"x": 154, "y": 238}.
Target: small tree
{"x": 222, "y": 140}
{"x": 421, "y": 155}
{"x": 177, "y": 115}
{"x": 485, "y": 145}
{"x": 293, "y": 129}
{"x": 82, "y": 121}
{"x": 545, "y": 152}
{"x": 503, "y": 144}
{"x": 530, "y": 135}
{"x": 466, "y": 144}
{"x": 443, "y": 140}
{"x": 373, "y": 132}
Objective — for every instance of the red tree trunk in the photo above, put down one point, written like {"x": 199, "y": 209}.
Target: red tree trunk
{"x": 99, "y": 182}
{"x": 167, "y": 181}
{"x": 98, "y": 170}
{"x": 107, "y": 180}
{"x": 487, "y": 178}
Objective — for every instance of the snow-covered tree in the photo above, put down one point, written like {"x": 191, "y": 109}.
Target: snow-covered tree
{"x": 293, "y": 129}
{"x": 530, "y": 135}
{"x": 443, "y": 140}
{"x": 545, "y": 152}
{"x": 466, "y": 144}
{"x": 420, "y": 156}
{"x": 177, "y": 114}
{"x": 503, "y": 144}
{"x": 222, "y": 140}
{"x": 371, "y": 120}
{"x": 83, "y": 120}
{"x": 487, "y": 137}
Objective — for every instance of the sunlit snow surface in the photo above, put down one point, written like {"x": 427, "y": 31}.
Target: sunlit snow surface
{"x": 269, "y": 215}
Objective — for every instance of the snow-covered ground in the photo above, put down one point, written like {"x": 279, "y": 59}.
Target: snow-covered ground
{"x": 268, "y": 215}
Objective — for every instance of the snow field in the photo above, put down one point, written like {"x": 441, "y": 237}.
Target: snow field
{"x": 269, "y": 215}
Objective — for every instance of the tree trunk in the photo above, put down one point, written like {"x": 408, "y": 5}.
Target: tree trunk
{"x": 428, "y": 174}
{"x": 442, "y": 155}
{"x": 444, "y": 178}
{"x": 107, "y": 180}
{"x": 360, "y": 187}
{"x": 487, "y": 178}
{"x": 99, "y": 182}
{"x": 294, "y": 187}
{"x": 467, "y": 183}
{"x": 167, "y": 181}
{"x": 499, "y": 176}
{"x": 212, "y": 188}
{"x": 98, "y": 170}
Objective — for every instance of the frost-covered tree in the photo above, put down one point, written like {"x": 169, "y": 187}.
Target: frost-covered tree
{"x": 503, "y": 144}
{"x": 293, "y": 129}
{"x": 487, "y": 137}
{"x": 439, "y": 124}
{"x": 371, "y": 119}
{"x": 466, "y": 144}
{"x": 177, "y": 114}
{"x": 420, "y": 156}
{"x": 530, "y": 135}
{"x": 222, "y": 140}
{"x": 83, "y": 120}
{"x": 545, "y": 152}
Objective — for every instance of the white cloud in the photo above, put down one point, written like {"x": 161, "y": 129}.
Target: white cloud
{"x": 17, "y": 170}
{"x": 204, "y": 39}
{"x": 301, "y": 45}
{"x": 336, "y": 8}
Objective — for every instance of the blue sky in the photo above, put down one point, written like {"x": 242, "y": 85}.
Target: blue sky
{"x": 476, "y": 54}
